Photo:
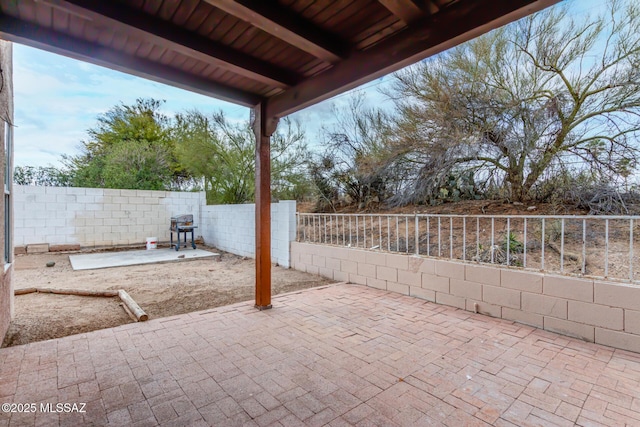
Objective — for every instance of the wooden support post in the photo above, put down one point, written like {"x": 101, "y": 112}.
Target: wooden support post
{"x": 263, "y": 128}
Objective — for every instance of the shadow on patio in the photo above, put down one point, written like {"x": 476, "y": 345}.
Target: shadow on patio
{"x": 338, "y": 355}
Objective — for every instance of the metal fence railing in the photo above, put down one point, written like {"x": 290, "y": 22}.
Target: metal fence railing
{"x": 595, "y": 246}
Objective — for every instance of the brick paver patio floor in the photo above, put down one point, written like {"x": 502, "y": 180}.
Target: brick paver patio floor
{"x": 339, "y": 355}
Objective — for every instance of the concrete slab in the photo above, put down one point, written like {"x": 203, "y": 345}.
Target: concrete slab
{"x": 125, "y": 258}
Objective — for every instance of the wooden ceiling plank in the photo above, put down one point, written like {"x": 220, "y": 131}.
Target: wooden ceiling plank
{"x": 453, "y": 25}
{"x": 285, "y": 25}
{"x": 132, "y": 46}
{"x": 188, "y": 65}
{"x": 383, "y": 29}
{"x": 152, "y": 6}
{"x": 407, "y": 10}
{"x": 76, "y": 26}
{"x": 216, "y": 25}
{"x": 44, "y": 15}
{"x": 198, "y": 68}
{"x": 199, "y": 15}
{"x": 185, "y": 11}
{"x": 60, "y": 21}
{"x": 144, "y": 50}
{"x": 19, "y": 31}
{"x": 333, "y": 13}
{"x": 170, "y": 35}
{"x": 168, "y": 9}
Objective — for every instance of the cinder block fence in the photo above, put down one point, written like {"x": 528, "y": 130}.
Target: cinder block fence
{"x": 95, "y": 216}
{"x": 60, "y": 217}
{"x": 596, "y": 311}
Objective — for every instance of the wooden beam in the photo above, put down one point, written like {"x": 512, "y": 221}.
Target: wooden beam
{"x": 407, "y": 10}
{"x": 456, "y": 24}
{"x": 263, "y": 128}
{"x": 18, "y": 31}
{"x": 166, "y": 34}
{"x": 285, "y": 25}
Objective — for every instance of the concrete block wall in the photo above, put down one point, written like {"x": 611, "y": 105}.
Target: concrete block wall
{"x": 596, "y": 311}
{"x": 97, "y": 217}
{"x": 232, "y": 229}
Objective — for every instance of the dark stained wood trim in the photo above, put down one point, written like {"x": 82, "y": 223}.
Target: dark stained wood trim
{"x": 18, "y": 31}
{"x": 173, "y": 37}
{"x": 287, "y": 26}
{"x": 263, "y": 128}
{"x": 407, "y": 10}
{"x": 453, "y": 25}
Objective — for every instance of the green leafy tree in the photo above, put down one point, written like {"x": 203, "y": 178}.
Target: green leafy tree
{"x": 222, "y": 155}
{"x": 129, "y": 148}
{"x": 523, "y": 103}
{"x": 49, "y": 176}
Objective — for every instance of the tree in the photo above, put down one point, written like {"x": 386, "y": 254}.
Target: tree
{"x": 547, "y": 94}
{"x": 42, "y": 176}
{"x": 352, "y": 166}
{"x": 222, "y": 155}
{"x": 129, "y": 148}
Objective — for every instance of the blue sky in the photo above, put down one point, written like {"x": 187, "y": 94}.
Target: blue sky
{"x": 57, "y": 99}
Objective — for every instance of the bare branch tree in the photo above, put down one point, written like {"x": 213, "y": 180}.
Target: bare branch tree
{"x": 550, "y": 89}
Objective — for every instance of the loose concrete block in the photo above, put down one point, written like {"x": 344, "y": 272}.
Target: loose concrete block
{"x": 401, "y": 262}
{"x": 376, "y": 283}
{"x": 63, "y": 248}
{"x": 572, "y": 329}
{"x": 484, "y": 308}
{"x": 462, "y": 288}
{"x": 38, "y": 248}
{"x": 410, "y": 278}
{"x": 521, "y": 280}
{"x": 386, "y": 273}
{"x": 617, "y": 295}
{"x": 451, "y": 300}
{"x": 367, "y": 270}
{"x": 453, "y": 270}
{"x": 596, "y": 315}
{"x": 419, "y": 292}
{"x": 435, "y": 283}
{"x": 501, "y": 296}
{"x": 542, "y": 304}
{"x": 618, "y": 339}
{"x": 19, "y": 250}
{"x": 349, "y": 266}
{"x": 520, "y": 316}
{"x": 566, "y": 287}
{"x": 398, "y": 287}
{"x": 482, "y": 274}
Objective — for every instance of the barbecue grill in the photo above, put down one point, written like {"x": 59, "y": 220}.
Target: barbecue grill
{"x": 182, "y": 224}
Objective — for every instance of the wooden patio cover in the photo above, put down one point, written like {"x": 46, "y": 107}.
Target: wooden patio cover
{"x": 276, "y": 57}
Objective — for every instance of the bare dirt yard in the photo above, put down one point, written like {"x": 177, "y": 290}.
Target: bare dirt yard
{"x": 161, "y": 290}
